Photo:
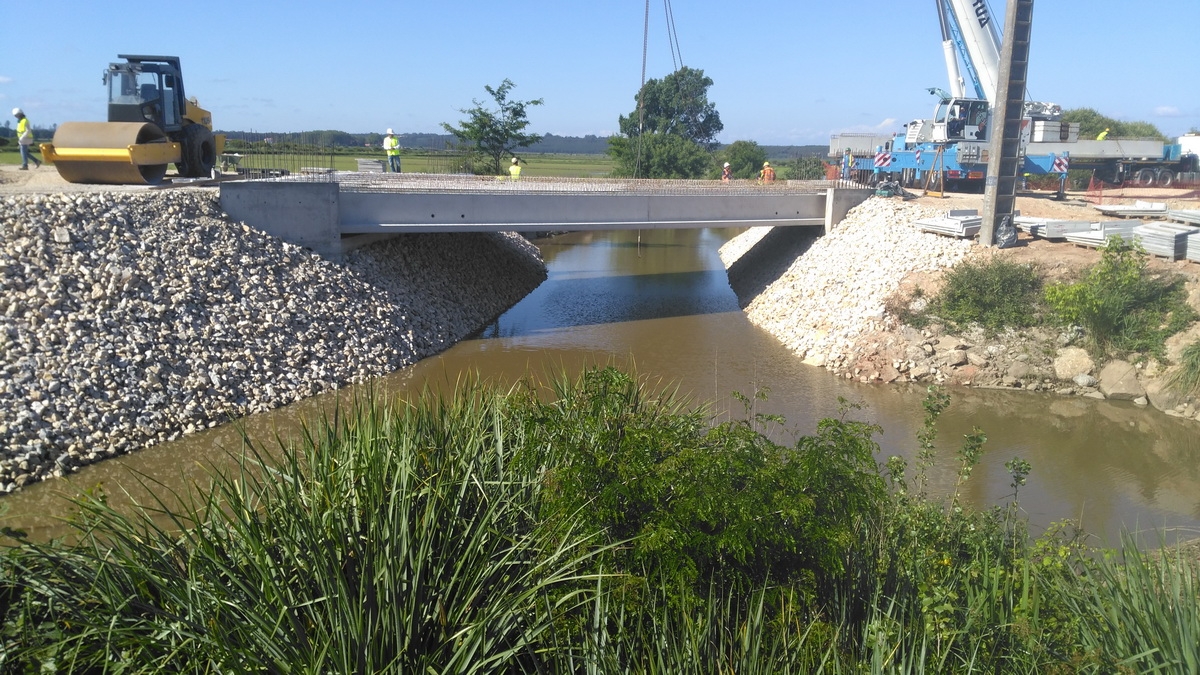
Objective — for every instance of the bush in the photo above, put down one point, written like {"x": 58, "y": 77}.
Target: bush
{"x": 1120, "y": 305}
{"x": 723, "y": 504}
{"x": 994, "y": 293}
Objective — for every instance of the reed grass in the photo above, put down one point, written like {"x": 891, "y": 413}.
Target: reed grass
{"x": 431, "y": 537}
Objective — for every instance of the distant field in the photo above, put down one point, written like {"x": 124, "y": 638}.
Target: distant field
{"x": 572, "y": 166}
{"x": 569, "y": 166}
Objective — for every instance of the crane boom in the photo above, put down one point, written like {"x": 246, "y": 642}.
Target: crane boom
{"x": 970, "y": 23}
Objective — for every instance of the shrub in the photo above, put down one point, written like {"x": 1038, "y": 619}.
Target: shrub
{"x": 995, "y": 294}
{"x": 1120, "y": 305}
{"x": 721, "y": 504}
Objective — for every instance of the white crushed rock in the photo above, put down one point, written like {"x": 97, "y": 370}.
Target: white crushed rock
{"x": 127, "y": 319}
{"x": 835, "y": 292}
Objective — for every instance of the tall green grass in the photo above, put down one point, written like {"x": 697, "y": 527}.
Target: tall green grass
{"x": 586, "y": 526}
{"x": 396, "y": 539}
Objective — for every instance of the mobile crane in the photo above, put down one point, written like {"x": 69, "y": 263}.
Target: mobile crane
{"x": 955, "y": 141}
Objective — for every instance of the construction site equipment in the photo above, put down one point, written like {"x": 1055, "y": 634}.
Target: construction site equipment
{"x": 963, "y": 121}
{"x": 151, "y": 124}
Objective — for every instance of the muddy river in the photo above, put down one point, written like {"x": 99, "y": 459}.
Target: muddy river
{"x": 660, "y": 302}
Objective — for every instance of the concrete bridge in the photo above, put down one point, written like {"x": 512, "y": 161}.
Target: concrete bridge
{"x": 332, "y": 213}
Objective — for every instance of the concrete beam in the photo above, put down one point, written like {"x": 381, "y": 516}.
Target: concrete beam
{"x": 365, "y": 212}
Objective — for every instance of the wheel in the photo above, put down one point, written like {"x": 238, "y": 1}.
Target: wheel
{"x": 1144, "y": 178}
{"x": 198, "y": 150}
{"x": 1164, "y": 178}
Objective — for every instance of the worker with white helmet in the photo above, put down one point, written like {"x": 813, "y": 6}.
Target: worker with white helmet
{"x": 391, "y": 145}
{"x": 767, "y": 175}
{"x": 25, "y": 140}
{"x": 726, "y": 173}
{"x": 514, "y": 170}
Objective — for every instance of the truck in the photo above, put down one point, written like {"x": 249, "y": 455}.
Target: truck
{"x": 953, "y": 145}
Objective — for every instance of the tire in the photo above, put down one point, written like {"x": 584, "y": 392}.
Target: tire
{"x": 198, "y": 150}
{"x": 1144, "y": 178}
{"x": 1164, "y": 178}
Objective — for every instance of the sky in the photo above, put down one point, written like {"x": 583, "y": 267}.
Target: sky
{"x": 787, "y": 72}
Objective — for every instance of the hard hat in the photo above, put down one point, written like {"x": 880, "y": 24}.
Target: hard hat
{"x": 726, "y": 163}
{"x": 17, "y": 111}
{"x": 514, "y": 160}
{"x": 389, "y": 132}
{"x": 766, "y": 164}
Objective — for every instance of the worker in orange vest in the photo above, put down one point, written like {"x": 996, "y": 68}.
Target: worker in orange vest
{"x": 767, "y": 175}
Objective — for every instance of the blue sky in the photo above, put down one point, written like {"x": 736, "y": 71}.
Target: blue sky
{"x": 783, "y": 72}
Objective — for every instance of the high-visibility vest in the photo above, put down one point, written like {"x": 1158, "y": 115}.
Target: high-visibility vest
{"x": 392, "y": 145}
{"x": 24, "y": 132}
{"x": 514, "y": 171}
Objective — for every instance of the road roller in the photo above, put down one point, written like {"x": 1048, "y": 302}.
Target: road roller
{"x": 151, "y": 124}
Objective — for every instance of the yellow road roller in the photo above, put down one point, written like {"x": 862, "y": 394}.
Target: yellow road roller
{"x": 151, "y": 123}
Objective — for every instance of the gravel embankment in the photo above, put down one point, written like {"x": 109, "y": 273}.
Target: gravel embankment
{"x": 835, "y": 292}
{"x": 127, "y": 319}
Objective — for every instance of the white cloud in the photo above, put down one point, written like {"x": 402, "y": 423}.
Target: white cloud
{"x": 886, "y": 124}
{"x": 1168, "y": 111}
{"x": 4, "y": 79}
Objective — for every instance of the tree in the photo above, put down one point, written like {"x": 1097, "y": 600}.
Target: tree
{"x": 658, "y": 156}
{"x": 497, "y": 132}
{"x": 745, "y": 158}
{"x": 678, "y": 104}
{"x": 678, "y": 129}
{"x": 1091, "y": 123}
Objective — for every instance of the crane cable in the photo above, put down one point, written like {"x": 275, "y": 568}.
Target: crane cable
{"x": 676, "y": 63}
{"x": 637, "y": 163}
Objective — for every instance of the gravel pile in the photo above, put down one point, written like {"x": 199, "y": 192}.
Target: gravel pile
{"x": 127, "y": 319}
{"x": 835, "y": 292}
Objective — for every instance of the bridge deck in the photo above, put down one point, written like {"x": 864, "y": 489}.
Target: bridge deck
{"x": 313, "y": 210}
{"x": 440, "y": 203}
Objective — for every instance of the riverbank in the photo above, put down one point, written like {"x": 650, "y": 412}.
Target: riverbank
{"x": 132, "y": 317}
{"x": 828, "y": 301}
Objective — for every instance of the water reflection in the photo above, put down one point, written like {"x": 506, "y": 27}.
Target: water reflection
{"x": 660, "y": 302}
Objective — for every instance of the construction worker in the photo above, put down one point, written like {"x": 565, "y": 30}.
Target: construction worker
{"x": 1102, "y": 135}
{"x": 847, "y": 164}
{"x": 514, "y": 170}
{"x": 391, "y": 145}
{"x": 726, "y": 173}
{"x": 767, "y": 175}
{"x": 25, "y": 140}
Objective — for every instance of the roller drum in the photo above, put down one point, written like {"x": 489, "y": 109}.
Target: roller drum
{"x": 116, "y": 136}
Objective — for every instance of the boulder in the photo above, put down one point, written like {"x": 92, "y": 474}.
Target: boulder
{"x": 1161, "y": 396}
{"x": 956, "y": 357}
{"x": 1020, "y": 370}
{"x": 1118, "y": 380}
{"x": 1072, "y": 361}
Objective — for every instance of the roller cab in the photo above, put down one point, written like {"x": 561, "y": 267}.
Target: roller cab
{"x": 151, "y": 125}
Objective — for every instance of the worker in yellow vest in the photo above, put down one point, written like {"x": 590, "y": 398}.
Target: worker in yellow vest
{"x": 25, "y": 140}
{"x": 1102, "y": 135}
{"x": 514, "y": 170}
{"x": 391, "y": 145}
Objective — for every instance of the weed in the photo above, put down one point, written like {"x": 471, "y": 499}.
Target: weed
{"x": 1185, "y": 379}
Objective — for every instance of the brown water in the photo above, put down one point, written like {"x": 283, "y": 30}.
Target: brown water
{"x": 660, "y": 302}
